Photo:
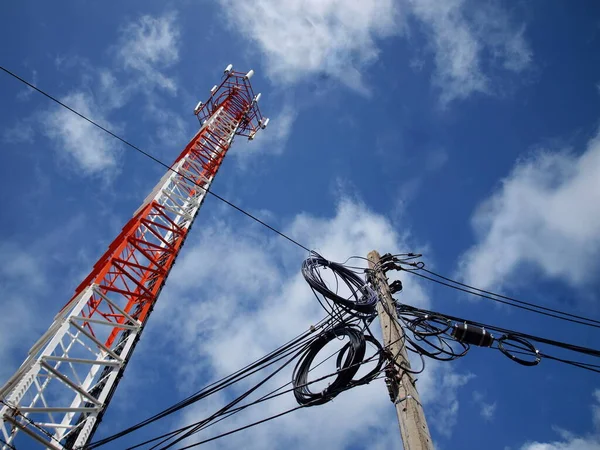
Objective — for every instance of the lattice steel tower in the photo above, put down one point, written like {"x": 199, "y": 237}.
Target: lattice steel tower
{"x": 59, "y": 394}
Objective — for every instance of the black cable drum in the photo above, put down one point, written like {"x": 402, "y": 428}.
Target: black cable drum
{"x": 348, "y": 363}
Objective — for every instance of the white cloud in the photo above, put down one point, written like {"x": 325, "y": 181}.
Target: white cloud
{"x": 300, "y": 38}
{"x": 91, "y": 150}
{"x": 236, "y": 294}
{"x": 486, "y": 409}
{"x": 339, "y": 38}
{"x": 546, "y": 215}
{"x": 270, "y": 141}
{"x": 25, "y": 94}
{"x": 27, "y": 286}
{"x": 570, "y": 441}
{"x": 442, "y": 409}
{"x": 150, "y": 45}
{"x": 464, "y": 40}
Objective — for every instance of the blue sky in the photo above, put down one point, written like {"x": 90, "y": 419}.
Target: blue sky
{"x": 464, "y": 130}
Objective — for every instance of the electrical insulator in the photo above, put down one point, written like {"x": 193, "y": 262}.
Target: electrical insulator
{"x": 471, "y": 334}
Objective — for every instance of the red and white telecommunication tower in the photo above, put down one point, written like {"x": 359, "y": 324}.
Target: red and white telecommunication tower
{"x": 59, "y": 394}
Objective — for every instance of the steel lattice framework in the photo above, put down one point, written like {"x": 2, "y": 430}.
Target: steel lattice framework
{"x": 61, "y": 391}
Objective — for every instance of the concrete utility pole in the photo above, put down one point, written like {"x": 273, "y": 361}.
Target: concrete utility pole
{"x": 403, "y": 392}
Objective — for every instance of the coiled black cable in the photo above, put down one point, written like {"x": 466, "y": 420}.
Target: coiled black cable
{"x": 362, "y": 298}
{"x": 348, "y": 362}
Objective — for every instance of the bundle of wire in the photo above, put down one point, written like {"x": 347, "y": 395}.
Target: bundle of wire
{"x": 445, "y": 337}
{"x": 349, "y": 360}
{"x": 362, "y": 299}
{"x": 406, "y": 262}
{"x": 429, "y": 335}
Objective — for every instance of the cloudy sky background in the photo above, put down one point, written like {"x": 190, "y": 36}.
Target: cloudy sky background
{"x": 464, "y": 130}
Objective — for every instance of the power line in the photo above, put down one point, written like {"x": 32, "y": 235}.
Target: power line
{"x": 575, "y": 316}
{"x": 205, "y": 423}
{"x": 276, "y": 355}
{"x": 590, "y": 323}
{"x": 582, "y": 320}
{"x": 426, "y": 325}
{"x": 275, "y": 416}
{"x": 153, "y": 158}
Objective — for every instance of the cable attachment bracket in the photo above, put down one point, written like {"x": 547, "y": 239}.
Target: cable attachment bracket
{"x": 395, "y": 286}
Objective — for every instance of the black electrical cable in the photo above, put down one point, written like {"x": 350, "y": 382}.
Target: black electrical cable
{"x": 205, "y": 423}
{"x": 275, "y": 416}
{"x": 507, "y": 302}
{"x": 362, "y": 298}
{"x": 269, "y": 359}
{"x": 579, "y": 364}
{"x": 153, "y": 158}
{"x": 380, "y": 355}
{"x": 527, "y": 348}
{"x": 252, "y": 424}
{"x": 403, "y": 339}
{"x": 227, "y": 407}
{"x": 347, "y": 368}
{"x": 413, "y": 267}
{"x": 512, "y": 342}
{"x": 573, "y": 347}
{"x": 575, "y": 316}
{"x": 269, "y": 396}
{"x": 425, "y": 333}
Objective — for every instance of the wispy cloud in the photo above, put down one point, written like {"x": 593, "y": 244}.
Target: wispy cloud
{"x": 300, "y": 39}
{"x": 25, "y": 94}
{"x": 461, "y": 37}
{"x": 546, "y": 215}
{"x": 486, "y": 409}
{"x": 305, "y": 38}
{"x": 92, "y": 151}
{"x": 148, "y": 46}
{"x": 27, "y": 274}
{"x": 442, "y": 408}
{"x": 571, "y": 441}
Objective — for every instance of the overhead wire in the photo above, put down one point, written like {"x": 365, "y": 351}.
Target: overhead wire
{"x": 361, "y": 300}
{"x": 225, "y": 412}
{"x": 582, "y": 320}
{"x": 575, "y": 316}
{"x": 267, "y": 360}
{"x": 154, "y": 158}
{"x": 269, "y": 396}
{"x": 518, "y": 342}
{"x": 405, "y": 263}
{"x": 548, "y": 314}
{"x": 361, "y": 305}
{"x": 491, "y": 296}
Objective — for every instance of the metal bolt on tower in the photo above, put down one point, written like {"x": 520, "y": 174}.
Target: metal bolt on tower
{"x": 59, "y": 394}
